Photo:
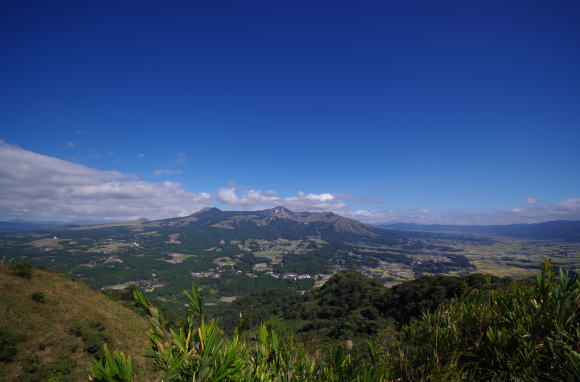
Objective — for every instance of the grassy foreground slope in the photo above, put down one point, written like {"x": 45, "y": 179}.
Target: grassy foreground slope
{"x": 52, "y": 327}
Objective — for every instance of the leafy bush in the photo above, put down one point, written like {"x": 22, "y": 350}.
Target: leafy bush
{"x": 38, "y": 297}
{"x": 112, "y": 367}
{"x": 93, "y": 335}
{"x": 7, "y": 346}
{"x": 529, "y": 333}
{"x": 23, "y": 270}
{"x": 34, "y": 370}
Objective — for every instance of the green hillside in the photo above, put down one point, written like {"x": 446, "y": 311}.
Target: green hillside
{"x": 54, "y": 327}
{"x": 351, "y": 305}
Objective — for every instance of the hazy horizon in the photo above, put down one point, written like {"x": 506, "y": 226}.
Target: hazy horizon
{"x": 378, "y": 223}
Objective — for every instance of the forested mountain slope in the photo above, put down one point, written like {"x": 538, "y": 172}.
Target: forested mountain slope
{"x": 351, "y": 305}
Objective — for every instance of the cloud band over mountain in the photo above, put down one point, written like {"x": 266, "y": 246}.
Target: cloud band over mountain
{"x": 35, "y": 186}
{"x": 39, "y": 187}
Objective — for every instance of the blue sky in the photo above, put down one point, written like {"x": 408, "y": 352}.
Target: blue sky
{"x": 454, "y": 112}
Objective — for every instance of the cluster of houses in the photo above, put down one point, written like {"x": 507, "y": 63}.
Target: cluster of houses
{"x": 216, "y": 274}
{"x": 208, "y": 274}
{"x": 290, "y": 276}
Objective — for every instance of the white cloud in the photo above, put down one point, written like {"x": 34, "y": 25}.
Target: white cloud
{"x": 94, "y": 154}
{"x": 166, "y": 172}
{"x": 140, "y": 156}
{"x": 35, "y": 186}
{"x": 568, "y": 209}
{"x": 257, "y": 199}
{"x": 228, "y": 196}
{"x": 531, "y": 200}
{"x": 71, "y": 144}
{"x": 421, "y": 216}
{"x": 326, "y": 197}
{"x": 180, "y": 158}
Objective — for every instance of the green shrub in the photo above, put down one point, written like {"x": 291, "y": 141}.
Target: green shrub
{"x": 7, "y": 346}
{"x": 34, "y": 370}
{"x": 94, "y": 337}
{"x": 529, "y": 333}
{"x": 112, "y": 367}
{"x": 38, "y": 297}
{"x": 23, "y": 270}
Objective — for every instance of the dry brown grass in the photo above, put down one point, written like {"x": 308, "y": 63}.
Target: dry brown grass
{"x": 42, "y": 329}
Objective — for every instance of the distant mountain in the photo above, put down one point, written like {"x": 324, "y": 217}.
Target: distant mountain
{"x": 252, "y": 249}
{"x": 567, "y": 230}
{"x": 29, "y": 226}
{"x": 278, "y": 220}
{"x": 24, "y": 226}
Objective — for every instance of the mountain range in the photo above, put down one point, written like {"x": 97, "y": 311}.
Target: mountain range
{"x": 309, "y": 222}
{"x": 568, "y": 230}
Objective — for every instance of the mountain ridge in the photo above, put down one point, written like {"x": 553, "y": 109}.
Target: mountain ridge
{"x": 567, "y": 230}
{"x": 228, "y": 219}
